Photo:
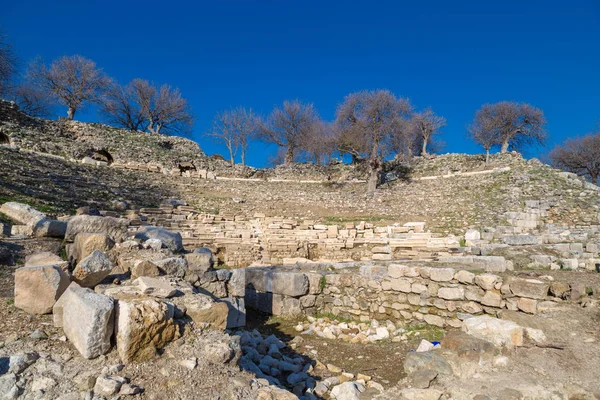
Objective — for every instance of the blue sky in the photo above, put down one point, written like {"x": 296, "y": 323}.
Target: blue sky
{"x": 452, "y": 56}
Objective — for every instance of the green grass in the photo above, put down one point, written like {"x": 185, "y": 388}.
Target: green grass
{"x": 332, "y": 317}
{"x": 424, "y": 331}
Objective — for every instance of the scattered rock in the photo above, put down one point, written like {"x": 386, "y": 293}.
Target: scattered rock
{"x": 93, "y": 269}
{"x": 38, "y": 288}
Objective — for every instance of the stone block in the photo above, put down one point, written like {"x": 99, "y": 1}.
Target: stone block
{"x": 175, "y": 266}
{"x": 441, "y": 274}
{"x": 486, "y": 281}
{"x": 236, "y": 286}
{"x": 88, "y": 321}
{"x": 531, "y": 288}
{"x": 93, "y": 269}
{"x": 289, "y": 283}
{"x": 451, "y": 293}
{"x": 397, "y": 271}
{"x": 499, "y": 332}
{"x": 144, "y": 268}
{"x": 464, "y": 276}
{"x": 115, "y": 228}
{"x": 142, "y": 327}
{"x": 38, "y": 288}
{"x": 172, "y": 240}
{"x": 237, "y": 312}
{"x": 50, "y": 228}
{"x": 155, "y": 287}
{"x": 86, "y": 243}
{"x": 204, "y": 310}
{"x": 527, "y": 305}
{"x": 521, "y": 240}
{"x": 46, "y": 258}
{"x": 492, "y": 299}
{"x": 21, "y": 213}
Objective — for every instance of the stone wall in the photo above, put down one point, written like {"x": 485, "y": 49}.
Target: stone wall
{"x": 437, "y": 296}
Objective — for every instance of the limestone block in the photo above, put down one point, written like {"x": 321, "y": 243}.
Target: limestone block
{"x": 236, "y": 286}
{"x": 314, "y": 282}
{"x": 401, "y": 285}
{"x": 93, "y": 269}
{"x": 382, "y": 257}
{"x": 172, "y": 240}
{"x": 486, "y": 281}
{"x": 471, "y": 307}
{"x": 521, "y": 240}
{"x": 57, "y": 309}
{"x": 472, "y": 234}
{"x": 451, "y": 293}
{"x": 464, "y": 276}
{"x": 144, "y": 268}
{"x": 237, "y": 312}
{"x": 50, "y": 228}
{"x": 531, "y": 288}
{"x": 204, "y": 310}
{"x": 200, "y": 260}
{"x": 142, "y": 327}
{"x": 46, "y": 258}
{"x": 155, "y": 287}
{"x": 396, "y": 270}
{"x": 38, "y": 288}
{"x": 86, "y": 243}
{"x": 500, "y": 332}
{"x": 434, "y": 320}
{"x": 115, "y": 228}
{"x": 175, "y": 266}
{"x": 88, "y": 321}
{"x": 527, "y": 305}
{"x": 492, "y": 299}
{"x": 441, "y": 274}
{"x": 21, "y": 213}
{"x": 289, "y": 283}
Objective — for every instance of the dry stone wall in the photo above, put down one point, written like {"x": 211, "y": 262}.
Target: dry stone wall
{"x": 438, "y": 296}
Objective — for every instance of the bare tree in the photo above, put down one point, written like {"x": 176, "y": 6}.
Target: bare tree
{"x": 321, "y": 143}
{"x": 164, "y": 109}
{"x": 8, "y": 64}
{"x": 368, "y": 121}
{"x": 484, "y": 132}
{"x": 73, "y": 80}
{"x": 121, "y": 107}
{"x": 289, "y": 126}
{"x": 511, "y": 123}
{"x": 579, "y": 155}
{"x": 427, "y": 124}
{"x": 32, "y": 100}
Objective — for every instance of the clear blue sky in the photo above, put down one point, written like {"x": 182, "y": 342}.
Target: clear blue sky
{"x": 450, "y": 55}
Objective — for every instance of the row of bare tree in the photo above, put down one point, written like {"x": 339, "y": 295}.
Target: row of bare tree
{"x": 75, "y": 81}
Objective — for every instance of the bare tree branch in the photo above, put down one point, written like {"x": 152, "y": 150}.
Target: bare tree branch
{"x": 8, "y": 64}
{"x": 579, "y": 155}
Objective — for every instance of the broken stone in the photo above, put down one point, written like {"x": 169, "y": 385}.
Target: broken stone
{"x": 205, "y": 311}
{"x": 497, "y": 331}
{"x": 93, "y": 269}
{"x": 172, "y": 240}
{"x": 142, "y": 327}
{"x": 86, "y": 243}
{"x": 38, "y": 288}
{"x": 46, "y": 258}
{"x": 144, "y": 268}
{"x": 175, "y": 266}
{"x": 532, "y": 288}
{"x": 115, "y": 228}
{"x": 155, "y": 287}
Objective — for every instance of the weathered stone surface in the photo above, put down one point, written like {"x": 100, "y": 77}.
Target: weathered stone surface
{"x": 203, "y": 310}
{"x": 532, "y": 288}
{"x": 486, "y": 281}
{"x": 492, "y": 299}
{"x": 50, "y": 228}
{"x": 200, "y": 262}
{"x": 21, "y": 213}
{"x": 497, "y": 331}
{"x": 527, "y": 305}
{"x": 464, "y": 276}
{"x": 421, "y": 379}
{"x": 45, "y": 258}
{"x": 142, "y": 327}
{"x": 88, "y": 321}
{"x": 86, "y": 243}
{"x": 172, "y": 240}
{"x": 560, "y": 289}
{"x": 441, "y": 274}
{"x": 428, "y": 360}
{"x": 520, "y": 240}
{"x": 144, "y": 268}
{"x": 175, "y": 266}
{"x": 396, "y": 270}
{"x": 38, "y": 288}
{"x": 93, "y": 269}
{"x": 57, "y": 309}
{"x": 472, "y": 234}
{"x": 421, "y": 394}
{"x": 236, "y": 286}
{"x": 115, "y": 228}
{"x": 155, "y": 287}
{"x": 451, "y": 293}
{"x": 237, "y": 312}
{"x": 289, "y": 283}
{"x": 468, "y": 347}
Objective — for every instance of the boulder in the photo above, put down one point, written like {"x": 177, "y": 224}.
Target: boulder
{"x": 86, "y": 243}
{"x": 92, "y": 269}
{"x": 172, "y": 240}
{"x": 200, "y": 260}
{"x": 22, "y": 214}
{"x": 468, "y": 347}
{"x": 57, "y": 309}
{"x": 142, "y": 327}
{"x": 115, "y": 228}
{"x": 175, "y": 266}
{"x": 500, "y": 332}
{"x": 204, "y": 310}
{"x": 155, "y": 287}
{"x": 144, "y": 268}
{"x": 531, "y": 288}
{"x": 428, "y": 360}
{"x": 347, "y": 391}
{"x": 441, "y": 274}
{"x": 88, "y": 321}
{"x": 38, "y": 288}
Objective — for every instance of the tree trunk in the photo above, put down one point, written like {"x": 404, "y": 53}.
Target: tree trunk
{"x": 424, "y": 150}
{"x": 487, "y": 156}
{"x": 373, "y": 180}
{"x": 231, "y": 158}
{"x": 504, "y": 148}
{"x": 243, "y": 158}
{"x": 71, "y": 113}
{"x": 289, "y": 155}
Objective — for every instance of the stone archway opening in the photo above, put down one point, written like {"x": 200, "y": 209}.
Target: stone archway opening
{"x": 186, "y": 166}
{"x": 103, "y": 155}
{"x": 4, "y": 139}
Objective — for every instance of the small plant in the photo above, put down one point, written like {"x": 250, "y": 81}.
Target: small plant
{"x": 322, "y": 283}
{"x": 462, "y": 242}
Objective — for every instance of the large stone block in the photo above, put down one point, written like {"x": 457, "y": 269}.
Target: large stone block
{"x": 92, "y": 269}
{"x": 451, "y": 293}
{"x": 521, "y": 240}
{"x": 86, "y": 243}
{"x": 21, "y": 213}
{"x": 237, "y": 312}
{"x": 38, "y": 288}
{"x": 88, "y": 321}
{"x": 236, "y": 286}
{"x": 115, "y": 228}
{"x": 58, "y": 308}
{"x": 200, "y": 262}
{"x": 172, "y": 240}
{"x": 497, "y": 331}
{"x": 531, "y": 288}
{"x": 289, "y": 284}
{"x": 142, "y": 327}
{"x": 50, "y": 228}
{"x": 46, "y": 258}
{"x": 175, "y": 266}
{"x": 204, "y": 310}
